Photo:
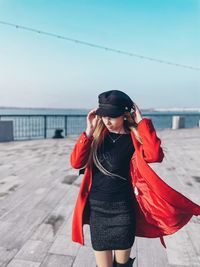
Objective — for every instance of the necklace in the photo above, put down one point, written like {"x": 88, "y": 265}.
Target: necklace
{"x": 114, "y": 140}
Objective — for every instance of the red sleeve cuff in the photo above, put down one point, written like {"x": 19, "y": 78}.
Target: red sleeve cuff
{"x": 84, "y": 139}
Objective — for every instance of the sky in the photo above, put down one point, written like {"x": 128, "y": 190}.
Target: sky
{"x": 41, "y": 71}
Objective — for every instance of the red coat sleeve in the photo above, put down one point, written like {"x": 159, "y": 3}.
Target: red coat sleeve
{"x": 81, "y": 151}
{"x": 151, "y": 144}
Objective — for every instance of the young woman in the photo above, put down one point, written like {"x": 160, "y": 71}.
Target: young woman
{"x": 120, "y": 195}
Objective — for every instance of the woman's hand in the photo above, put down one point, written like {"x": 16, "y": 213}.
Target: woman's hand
{"x": 91, "y": 122}
{"x": 137, "y": 115}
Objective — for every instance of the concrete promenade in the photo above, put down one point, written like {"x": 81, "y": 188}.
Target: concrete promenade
{"x": 38, "y": 190}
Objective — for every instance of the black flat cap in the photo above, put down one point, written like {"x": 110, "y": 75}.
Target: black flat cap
{"x": 113, "y": 103}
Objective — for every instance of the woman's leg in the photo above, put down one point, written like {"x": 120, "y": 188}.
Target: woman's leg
{"x": 104, "y": 258}
{"x": 122, "y": 256}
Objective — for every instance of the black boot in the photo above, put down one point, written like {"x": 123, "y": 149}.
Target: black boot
{"x": 129, "y": 263}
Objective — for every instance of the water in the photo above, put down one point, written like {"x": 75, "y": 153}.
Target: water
{"x": 42, "y": 111}
{"x": 32, "y": 127}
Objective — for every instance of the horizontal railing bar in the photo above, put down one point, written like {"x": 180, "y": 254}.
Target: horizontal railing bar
{"x": 41, "y": 115}
{"x": 84, "y": 115}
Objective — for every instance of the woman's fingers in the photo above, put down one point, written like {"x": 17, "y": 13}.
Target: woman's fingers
{"x": 137, "y": 110}
{"x": 92, "y": 118}
{"x": 136, "y": 113}
{"x": 92, "y": 112}
{"x": 136, "y": 106}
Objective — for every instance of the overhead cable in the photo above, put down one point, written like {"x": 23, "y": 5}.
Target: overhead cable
{"x": 99, "y": 46}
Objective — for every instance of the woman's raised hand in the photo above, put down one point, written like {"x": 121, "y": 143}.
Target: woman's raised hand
{"x": 137, "y": 115}
{"x": 91, "y": 122}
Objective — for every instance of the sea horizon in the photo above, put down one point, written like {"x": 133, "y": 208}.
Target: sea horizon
{"x": 153, "y": 109}
{"x": 30, "y": 121}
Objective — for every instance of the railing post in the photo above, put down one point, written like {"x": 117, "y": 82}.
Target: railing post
{"x": 45, "y": 126}
{"x": 178, "y": 122}
{"x": 66, "y": 125}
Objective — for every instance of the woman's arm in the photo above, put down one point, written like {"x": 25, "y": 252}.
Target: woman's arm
{"x": 151, "y": 144}
{"x": 81, "y": 151}
{"x": 151, "y": 149}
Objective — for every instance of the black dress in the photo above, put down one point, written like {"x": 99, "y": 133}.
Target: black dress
{"x": 111, "y": 199}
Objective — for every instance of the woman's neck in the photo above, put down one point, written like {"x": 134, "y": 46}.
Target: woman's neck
{"x": 120, "y": 131}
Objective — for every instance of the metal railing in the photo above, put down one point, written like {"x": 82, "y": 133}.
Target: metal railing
{"x": 28, "y": 127}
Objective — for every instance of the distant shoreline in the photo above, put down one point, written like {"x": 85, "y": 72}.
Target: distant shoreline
{"x": 87, "y": 109}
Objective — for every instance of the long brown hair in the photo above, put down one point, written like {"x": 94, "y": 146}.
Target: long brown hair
{"x": 99, "y": 134}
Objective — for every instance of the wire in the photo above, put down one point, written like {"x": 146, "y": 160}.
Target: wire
{"x": 99, "y": 46}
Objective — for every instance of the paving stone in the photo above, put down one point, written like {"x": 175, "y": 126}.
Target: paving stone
{"x": 150, "y": 252}
{"x": 44, "y": 233}
{"x": 7, "y": 254}
{"x": 64, "y": 246}
{"x": 85, "y": 258}
{"x": 23, "y": 263}
{"x": 33, "y": 250}
{"x": 54, "y": 260}
{"x": 180, "y": 251}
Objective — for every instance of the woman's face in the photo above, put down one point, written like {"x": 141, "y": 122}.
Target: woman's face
{"x": 114, "y": 124}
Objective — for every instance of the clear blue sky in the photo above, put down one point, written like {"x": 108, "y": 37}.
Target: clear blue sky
{"x": 40, "y": 71}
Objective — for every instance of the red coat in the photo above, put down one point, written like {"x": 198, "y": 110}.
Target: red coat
{"x": 160, "y": 211}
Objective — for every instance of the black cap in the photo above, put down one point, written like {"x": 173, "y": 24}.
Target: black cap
{"x": 113, "y": 103}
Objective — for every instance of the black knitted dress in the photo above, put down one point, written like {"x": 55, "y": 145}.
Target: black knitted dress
{"x": 111, "y": 199}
